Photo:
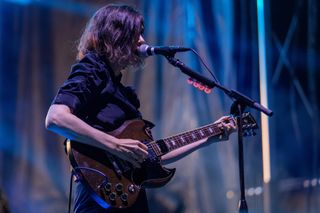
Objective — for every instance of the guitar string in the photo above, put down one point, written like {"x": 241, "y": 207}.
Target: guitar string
{"x": 193, "y": 136}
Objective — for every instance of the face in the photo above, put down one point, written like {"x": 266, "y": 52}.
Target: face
{"x": 141, "y": 41}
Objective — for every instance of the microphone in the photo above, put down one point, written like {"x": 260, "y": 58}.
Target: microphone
{"x": 145, "y": 50}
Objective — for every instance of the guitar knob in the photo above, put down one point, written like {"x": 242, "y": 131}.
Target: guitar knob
{"x": 131, "y": 188}
{"x": 112, "y": 196}
{"x": 107, "y": 187}
{"x": 124, "y": 197}
{"x": 119, "y": 187}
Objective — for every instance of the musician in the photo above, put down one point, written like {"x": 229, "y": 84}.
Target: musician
{"x": 93, "y": 101}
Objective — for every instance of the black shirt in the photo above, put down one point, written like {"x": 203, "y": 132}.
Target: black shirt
{"x": 97, "y": 96}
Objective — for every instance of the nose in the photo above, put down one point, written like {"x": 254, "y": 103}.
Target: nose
{"x": 141, "y": 40}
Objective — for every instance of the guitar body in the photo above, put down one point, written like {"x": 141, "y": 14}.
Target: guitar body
{"x": 114, "y": 182}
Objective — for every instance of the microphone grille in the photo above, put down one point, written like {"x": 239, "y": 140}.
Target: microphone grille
{"x": 143, "y": 50}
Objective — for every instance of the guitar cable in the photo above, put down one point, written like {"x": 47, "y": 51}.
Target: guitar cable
{"x": 206, "y": 66}
{"x": 70, "y": 191}
{"x": 73, "y": 173}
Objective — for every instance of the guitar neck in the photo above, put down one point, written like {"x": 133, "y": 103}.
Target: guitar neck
{"x": 163, "y": 146}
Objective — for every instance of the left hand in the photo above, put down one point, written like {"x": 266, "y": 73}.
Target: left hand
{"x": 228, "y": 125}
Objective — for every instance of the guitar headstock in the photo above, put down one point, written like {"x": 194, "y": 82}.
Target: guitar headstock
{"x": 249, "y": 124}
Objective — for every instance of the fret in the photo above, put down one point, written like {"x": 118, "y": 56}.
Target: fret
{"x": 185, "y": 138}
{"x": 182, "y": 139}
{"x": 177, "y": 142}
{"x": 155, "y": 148}
{"x": 193, "y": 136}
{"x": 168, "y": 143}
{"x": 151, "y": 151}
{"x": 173, "y": 142}
{"x": 188, "y": 137}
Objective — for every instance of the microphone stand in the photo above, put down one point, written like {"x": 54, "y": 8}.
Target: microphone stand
{"x": 240, "y": 102}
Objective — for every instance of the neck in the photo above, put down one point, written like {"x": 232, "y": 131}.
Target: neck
{"x": 163, "y": 146}
{"x": 116, "y": 70}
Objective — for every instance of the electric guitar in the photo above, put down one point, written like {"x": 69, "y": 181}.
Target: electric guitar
{"x": 115, "y": 182}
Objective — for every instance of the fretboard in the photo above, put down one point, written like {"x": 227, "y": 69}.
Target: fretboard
{"x": 163, "y": 146}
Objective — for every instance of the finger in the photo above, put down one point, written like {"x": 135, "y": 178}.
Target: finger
{"x": 229, "y": 127}
{"x": 143, "y": 146}
{"x": 140, "y": 149}
{"x": 232, "y": 127}
{"x": 140, "y": 144}
{"x": 137, "y": 147}
{"x": 144, "y": 153}
{"x": 224, "y": 118}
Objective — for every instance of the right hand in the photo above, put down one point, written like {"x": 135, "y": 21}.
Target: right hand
{"x": 130, "y": 150}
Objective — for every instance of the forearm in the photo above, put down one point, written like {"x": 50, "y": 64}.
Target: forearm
{"x": 182, "y": 152}
{"x": 61, "y": 121}
{"x": 186, "y": 150}
{"x": 226, "y": 124}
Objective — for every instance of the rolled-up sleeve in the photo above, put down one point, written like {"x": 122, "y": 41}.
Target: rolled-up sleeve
{"x": 84, "y": 83}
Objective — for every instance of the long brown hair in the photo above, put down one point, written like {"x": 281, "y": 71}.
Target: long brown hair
{"x": 113, "y": 32}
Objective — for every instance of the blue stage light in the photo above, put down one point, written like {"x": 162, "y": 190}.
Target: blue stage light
{"x": 23, "y": 2}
